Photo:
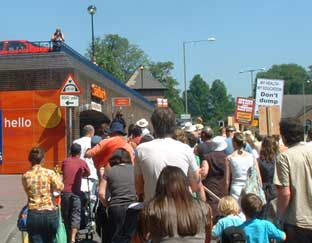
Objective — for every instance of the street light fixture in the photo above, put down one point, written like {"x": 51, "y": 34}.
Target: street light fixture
{"x": 251, "y": 71}
{"x": 304, "y": 107}
{"x": 184, "y": 66}
{"x": 92, "y": 11}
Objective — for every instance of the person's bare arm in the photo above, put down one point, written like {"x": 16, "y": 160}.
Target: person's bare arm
{"x": 139, "y": 187}
{"x": 283, "y": 199}
{"x": 102, "y": 191}
{"x": 95, "y": 150}
{"x": 204, "y": 169}
{"x": 196, "y": 184}
{"x": 227, "y": 173}
{"x": 209, "y": 225}
{"x": 195, "y": 151}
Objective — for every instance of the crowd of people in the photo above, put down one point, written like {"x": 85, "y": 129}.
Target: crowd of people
{"x": 162, "y": 183}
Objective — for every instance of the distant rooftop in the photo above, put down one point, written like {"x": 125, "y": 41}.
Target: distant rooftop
{"x": 293, "y": 105}
{"x": 149, "y": 82}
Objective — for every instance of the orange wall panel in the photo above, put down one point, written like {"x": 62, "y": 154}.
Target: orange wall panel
{"x": 31, "y": 118}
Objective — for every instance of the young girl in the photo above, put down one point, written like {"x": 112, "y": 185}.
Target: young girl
{"x": 229, "y": 209}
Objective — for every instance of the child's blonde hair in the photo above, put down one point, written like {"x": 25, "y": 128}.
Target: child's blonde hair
{"x": 228, "y": 205}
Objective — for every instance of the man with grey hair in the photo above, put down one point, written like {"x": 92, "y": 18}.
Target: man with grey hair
{"x": 207, "y": 145}
{"x": 85, "y": 143}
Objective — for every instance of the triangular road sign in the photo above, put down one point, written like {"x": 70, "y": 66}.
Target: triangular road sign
{"x": 70, "y": 86}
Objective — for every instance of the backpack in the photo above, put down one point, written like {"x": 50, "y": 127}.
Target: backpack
{"x": 22, "y": 219}
{"x": 233, "y": 234}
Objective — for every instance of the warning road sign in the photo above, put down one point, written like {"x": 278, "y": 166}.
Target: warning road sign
{"x": 70, "y": 86}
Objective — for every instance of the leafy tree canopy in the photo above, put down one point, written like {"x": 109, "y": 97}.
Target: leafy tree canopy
{"x": 213, "y": 104}
{"x": 117, "y": 56}
{"x": 294, "y": 76}
{"x": 198, "y": 97}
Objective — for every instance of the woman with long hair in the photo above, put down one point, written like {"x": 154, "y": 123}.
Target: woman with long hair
{"x": 240, "y": 162}
{"x": 173, "y": 215}
{"x": 268, "y": 155}
{"x": 39, "y": 184}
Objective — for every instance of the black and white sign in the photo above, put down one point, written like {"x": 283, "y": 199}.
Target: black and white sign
{"x": 96, "y": 106}
{"x": 69, "y": 100}
{"x": 269, "y": 92}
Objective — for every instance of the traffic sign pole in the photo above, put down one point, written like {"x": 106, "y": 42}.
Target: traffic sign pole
{"x": 69, "y": 98}
{"x": 70, "y": 124}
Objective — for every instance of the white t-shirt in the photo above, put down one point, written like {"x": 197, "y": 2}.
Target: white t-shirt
{"x": 85, "y": 143}
{"x": 153, "y": 156}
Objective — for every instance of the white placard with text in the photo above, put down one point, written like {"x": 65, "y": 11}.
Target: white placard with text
{"x": 269, "y": 92}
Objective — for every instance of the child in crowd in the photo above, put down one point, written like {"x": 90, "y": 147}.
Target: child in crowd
{"x": 229, "y": 209}
{"x": 258, "y": 230}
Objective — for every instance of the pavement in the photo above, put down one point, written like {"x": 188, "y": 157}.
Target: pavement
{"x": 12, "y": 199}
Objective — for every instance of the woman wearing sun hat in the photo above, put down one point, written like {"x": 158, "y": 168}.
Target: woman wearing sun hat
{"x": 217, "y": 175}
{"x": 143, "y": 124}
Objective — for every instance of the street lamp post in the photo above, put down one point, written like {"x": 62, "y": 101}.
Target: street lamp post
{"x": 92, "y": 10}
{"x": 304, "y": 107}
{"x": 184, "y": 67}
{"x": 251, "y": 71}
{"x": 142, "y": 70}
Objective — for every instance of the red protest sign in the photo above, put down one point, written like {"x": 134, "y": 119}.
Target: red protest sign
{"x": 244, "y": 110}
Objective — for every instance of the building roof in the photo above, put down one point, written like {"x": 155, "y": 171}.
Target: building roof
{"x": 149, "y": 82}
{"x": 293, "y": 105}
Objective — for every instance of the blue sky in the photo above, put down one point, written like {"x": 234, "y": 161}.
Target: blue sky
{"x": 249, "y": 34}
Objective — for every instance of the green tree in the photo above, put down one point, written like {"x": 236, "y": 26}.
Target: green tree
{"x": 213, "y": 104}
{"x": 293, "y": 75}
{"x": 198, "y": 97}
{"x": 117, "y": 56}
{"x": 162, "y": 72}
{"x": 223, "y": 104}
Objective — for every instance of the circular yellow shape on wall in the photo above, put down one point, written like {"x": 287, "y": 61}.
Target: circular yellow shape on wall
{"x": 49, "y": 115}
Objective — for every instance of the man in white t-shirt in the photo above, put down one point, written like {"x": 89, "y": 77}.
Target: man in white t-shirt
{"x": 153, "y": 156}
{"x": 85, "y": 143}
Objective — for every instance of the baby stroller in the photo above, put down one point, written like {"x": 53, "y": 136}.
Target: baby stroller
{"x": 87, "y": 225}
